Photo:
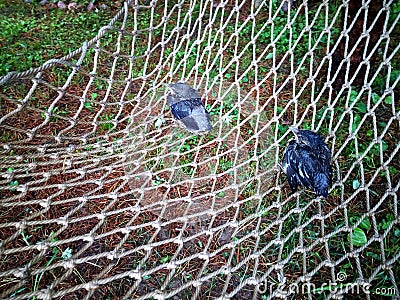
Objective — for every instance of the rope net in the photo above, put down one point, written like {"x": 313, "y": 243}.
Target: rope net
{"x": 103, "y": 195}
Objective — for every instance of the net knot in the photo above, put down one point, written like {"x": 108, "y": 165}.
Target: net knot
{"x": 21, "y": 272}
{"x": 204, "y": 256}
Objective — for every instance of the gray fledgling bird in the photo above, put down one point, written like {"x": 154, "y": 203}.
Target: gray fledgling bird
{"x": 188, "y": 109}
{"x": 288, "y": 4}
{"x": 307, "y": 162}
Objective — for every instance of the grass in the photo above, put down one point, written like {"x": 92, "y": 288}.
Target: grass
{"x": 274, "y": 222}
{"x": 33, "y": 34}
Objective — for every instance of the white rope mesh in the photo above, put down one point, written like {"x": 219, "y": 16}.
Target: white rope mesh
{"x": 103, "y": 195}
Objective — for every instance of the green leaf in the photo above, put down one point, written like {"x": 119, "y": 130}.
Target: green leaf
{"x": 385, "y": 223}
{"x": 356, "y": 122}
{"x": 67, "y": 253}
{"x": 365, "y": 224}
{"x": 14, "y": 183}
{"x": 345, "y": 266}
{"x": 394, "y": 75}
{"x": 375, "y": 98}
{"x": 359, "y": 237}
{"x": 269, "y": 56}
{"x": 375, "y": 149}
{"x": 382, "y": 124}
{"x": 388, "y": 100}
{"x": 164, "y": 259}
{"x": 384, "y": 146}
{"x": 353, "y": 96}
{"x": 221, "y": 194}
{"x": 87, "y": 104}
{"x": 356, "y": 184}
{"x": 374, "y": 255}
{"x": 361, "y": 107}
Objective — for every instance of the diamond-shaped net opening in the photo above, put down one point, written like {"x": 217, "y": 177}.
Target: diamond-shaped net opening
{"x": 103, "y": 194}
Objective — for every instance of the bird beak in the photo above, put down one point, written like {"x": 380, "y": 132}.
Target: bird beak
{"x": 294, "y": 130}
{"x": 170, "y": 88}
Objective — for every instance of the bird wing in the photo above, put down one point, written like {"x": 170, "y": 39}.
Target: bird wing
{"x": 289, "y": 166}
{"x": 185, "y": 108}
{"x": 321, "y": 184}
{"x": 192, "y": 115}
{"x": 299, "y": 166}
{"x": 323, "y": 168}
{"x": 325, "y": 162}
{"x": 306, "y": 166}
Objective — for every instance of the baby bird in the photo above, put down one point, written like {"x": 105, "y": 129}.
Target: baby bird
{"x": 307, "y": 162}
{"x": 187, "y": 108}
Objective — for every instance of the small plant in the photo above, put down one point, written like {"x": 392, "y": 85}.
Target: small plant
{"x": 27, "y": 29}
{"x": 66, "y": 254}
{"x": 106, "y": 123}
{"x": 358, "y": 236}
{"x": 54, "y": 113}
{"x": 89, "y": 104}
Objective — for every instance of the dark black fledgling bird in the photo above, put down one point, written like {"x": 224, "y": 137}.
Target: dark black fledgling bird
{"x": 188, "y": 109}
{"x": 307, "y": 162}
